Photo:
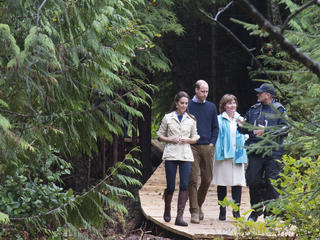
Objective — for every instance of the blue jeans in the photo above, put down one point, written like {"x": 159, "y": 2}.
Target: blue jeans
{"x": 171, "y": 171}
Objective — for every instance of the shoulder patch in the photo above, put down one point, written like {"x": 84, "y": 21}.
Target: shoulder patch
{"x": 278, "y": 105}
{"x": 256, "y": 105}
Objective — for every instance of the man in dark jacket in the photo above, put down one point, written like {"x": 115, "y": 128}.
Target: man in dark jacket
{"x": 265, "y": 117}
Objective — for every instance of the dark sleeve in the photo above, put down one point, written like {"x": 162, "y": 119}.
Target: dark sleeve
{"x": 282, "y": 126}
{"x": 215, "y": 126}
{"x": 281, "y": 120}
{"x": 242, "y": 129}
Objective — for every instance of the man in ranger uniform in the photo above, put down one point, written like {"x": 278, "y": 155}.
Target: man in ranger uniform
{"x": 267, "y": 117}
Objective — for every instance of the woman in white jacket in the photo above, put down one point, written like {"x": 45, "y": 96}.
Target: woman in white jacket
{"x": 230, "y": 154}
{"x": 178, "y": 130}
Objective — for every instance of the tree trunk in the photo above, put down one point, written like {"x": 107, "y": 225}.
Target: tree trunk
{"x": 145, "y": 140}
{"x": 214, "y": 58}
{"x": 121, "y": 148}
{"x": 115, "y": 150}
{"x": 273, "y": 12}
{"x": 103, "y": 158}
{"x": 197, "y": 56}
{"x": 89, "y": 172}
{"x": 134, "y": 131}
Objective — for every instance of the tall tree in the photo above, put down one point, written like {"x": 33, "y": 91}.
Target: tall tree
{"x": 68, "y": 70}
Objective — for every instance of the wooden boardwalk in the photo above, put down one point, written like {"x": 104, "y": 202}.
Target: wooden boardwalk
{"x": 153, "y": 206}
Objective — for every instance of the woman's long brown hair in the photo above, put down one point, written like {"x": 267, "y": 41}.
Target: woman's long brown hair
{"x": 177, "y": 98}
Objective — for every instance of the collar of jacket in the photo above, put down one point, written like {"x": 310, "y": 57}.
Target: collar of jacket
{"x": 174, "y": 115}
{"x": 226, "y": 116}
{"x": 195, "y": 99}
{"x": 274, "y": 103}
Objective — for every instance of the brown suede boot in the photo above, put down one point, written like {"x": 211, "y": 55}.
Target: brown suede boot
{"x": 167, "y": 206}
{"x": 182, "y": 199}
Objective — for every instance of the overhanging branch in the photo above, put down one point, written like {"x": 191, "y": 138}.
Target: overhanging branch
{"x": 306, "y": 5}
{"x": 279, "y": 38}
{"x": 249, "y": 51}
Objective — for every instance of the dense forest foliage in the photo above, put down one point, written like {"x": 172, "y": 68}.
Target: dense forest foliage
{"x": 78, "y": 75}
{"x": 72, "y": 73}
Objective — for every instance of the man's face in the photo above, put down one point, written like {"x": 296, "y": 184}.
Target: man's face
{"x": 264, "y": 97}
{"x": 202, "y": 92}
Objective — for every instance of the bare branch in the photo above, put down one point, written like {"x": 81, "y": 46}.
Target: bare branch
{"x": 292, "y": 15}
{"x": 39, "y": 11}
{"x": 222, "y": 10}
{"x": 249, "y": 51}
{"x": 279, "y": 38}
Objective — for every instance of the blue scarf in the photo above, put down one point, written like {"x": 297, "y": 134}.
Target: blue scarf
{"x": 224, "y": 147}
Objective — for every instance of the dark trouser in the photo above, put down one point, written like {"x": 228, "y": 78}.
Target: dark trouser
{"x": 235, "y": 193}
{"x": 202, "y": 165}
{"x": 259, "y": 172}
{"x": 171, "y": 171}
{"x": 236, "y": 196}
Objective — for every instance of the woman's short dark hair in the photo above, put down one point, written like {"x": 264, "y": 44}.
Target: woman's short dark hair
{"x": 225, "y": 99}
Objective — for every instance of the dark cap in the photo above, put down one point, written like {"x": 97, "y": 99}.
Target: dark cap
{"x": 266, "y": 87}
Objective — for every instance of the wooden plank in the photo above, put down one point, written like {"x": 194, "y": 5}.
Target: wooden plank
{"x": 153, "y": 206}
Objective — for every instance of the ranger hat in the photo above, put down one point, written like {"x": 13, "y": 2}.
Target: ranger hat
{"x": 266, "y": 87}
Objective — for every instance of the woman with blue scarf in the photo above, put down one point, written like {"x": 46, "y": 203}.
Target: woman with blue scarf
{"x": 231, "y": 155}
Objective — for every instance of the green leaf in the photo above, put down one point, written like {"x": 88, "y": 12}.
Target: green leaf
{"x": 4, "y": 218}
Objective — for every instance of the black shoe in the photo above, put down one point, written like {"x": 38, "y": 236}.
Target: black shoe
{"x": 253, "y": 216}
{"x": 267, "y": 213}
{"x": 236, "y": 214}
{"x": 222, "y": 214}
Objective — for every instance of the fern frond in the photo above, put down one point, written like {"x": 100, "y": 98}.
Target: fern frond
{"x": 4, "y": 218}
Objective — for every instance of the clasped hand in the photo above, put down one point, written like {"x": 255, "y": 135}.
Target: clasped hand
{"x": 180, "y": 139}
{"x": 259, "y": 132}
